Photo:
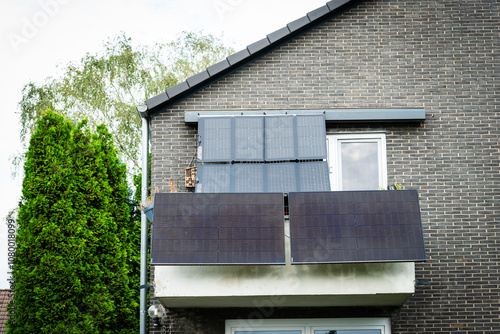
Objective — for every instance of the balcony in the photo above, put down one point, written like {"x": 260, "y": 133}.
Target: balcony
{"x": 240, "y": 250}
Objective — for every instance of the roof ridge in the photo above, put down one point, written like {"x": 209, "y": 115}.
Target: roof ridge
{"x": 238, "y": 59}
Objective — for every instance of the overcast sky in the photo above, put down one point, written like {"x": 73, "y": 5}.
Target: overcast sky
{"x": 38, "y": 35}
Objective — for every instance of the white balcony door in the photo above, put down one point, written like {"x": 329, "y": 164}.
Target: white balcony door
{"x": 357, "y": 161}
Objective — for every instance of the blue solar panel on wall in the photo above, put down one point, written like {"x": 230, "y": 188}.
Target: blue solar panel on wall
{"x": 355, "y": 226}
{"x": 281, "y": 177}
{"x": 313, "y": 176}
{"x": 302, "y": 176}
{"x": 273, "y": 177}
{"x": 262, "y": 154}
{"x": 225, "y": 139}
{"x": 311, "y": 137}
{"x": 295, "y": 137}
{"x": 280, "y": 138}
{"x": 218, "y": 229}
{"x": 248, "y": 178}
{"x": 213, "y": 178}
{"x": 215, "y": 137}
{"x": 248, "y": 139}
{"x": 261, "y": 138}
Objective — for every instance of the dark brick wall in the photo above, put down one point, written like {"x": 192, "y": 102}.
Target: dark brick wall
{"x": 439, "y": 55}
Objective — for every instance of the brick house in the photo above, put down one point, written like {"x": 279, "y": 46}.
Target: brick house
{"x": 5, "y": 297}
{"x": 404, "y": 91}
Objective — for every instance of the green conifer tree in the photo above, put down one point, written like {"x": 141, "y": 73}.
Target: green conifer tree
{"x": 71, "y": 270}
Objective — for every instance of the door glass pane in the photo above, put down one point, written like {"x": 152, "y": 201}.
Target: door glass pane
{"x": 360, "y": 169}
{"x": 268, "y": 332}
{"x": 361, "y": 331}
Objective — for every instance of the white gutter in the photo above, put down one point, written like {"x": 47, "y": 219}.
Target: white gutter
{"x": 144, "y": 220}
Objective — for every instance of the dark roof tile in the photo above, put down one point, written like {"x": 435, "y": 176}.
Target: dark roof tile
{"x": 278, "y": 34}
{"x": 156, "y": 100}
{"x": 177, "y": 89}
{"x": 238, "y": 56}
{"x": 317, "y": 13}
{"x": 197, "y": 78}
{"x": 334, "y": 4}
{"x": 257, "y": 46}
{"x": 299, "y": 23}
{"x": 219, "y": 67}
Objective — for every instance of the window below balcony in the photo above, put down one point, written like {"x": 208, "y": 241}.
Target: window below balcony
{"x": 310, "y": 326}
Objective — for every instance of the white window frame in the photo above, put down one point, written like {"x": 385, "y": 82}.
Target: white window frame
{"x": 334, "y": 162}
{"x": 308, "y": 326}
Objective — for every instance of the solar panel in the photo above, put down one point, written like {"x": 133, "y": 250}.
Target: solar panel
{"x": 225, "y": 139}
{"x": 247, "y": 178}
{"x": 213, "y": 178}
{"x": 280, "y": 138}
{"x": 296, "y": 177}
{"x": 248, "y": 138}
{"x": 186, "y": 230}
{"x": 355, "y": 226}
{"x": 295, "y": 137}
{"x": 254, "y": 177}
{"x": 261, "y": 138}
{"x": 251, "y": 228}
{"x": 218, "y": 229}
{"x": 311, "y": 137}
{"x": 215, "y": 135}
{"x": 281, "y": 177}
{"x": 313, "y": 176}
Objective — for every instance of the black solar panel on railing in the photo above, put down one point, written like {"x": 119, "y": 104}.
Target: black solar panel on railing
{"x": 218, "y": 229}
{"x": 355, "y": 226}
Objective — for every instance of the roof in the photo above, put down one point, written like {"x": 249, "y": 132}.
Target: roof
{"x": 5, "y": 296}
{"x": 241, "y": 58}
